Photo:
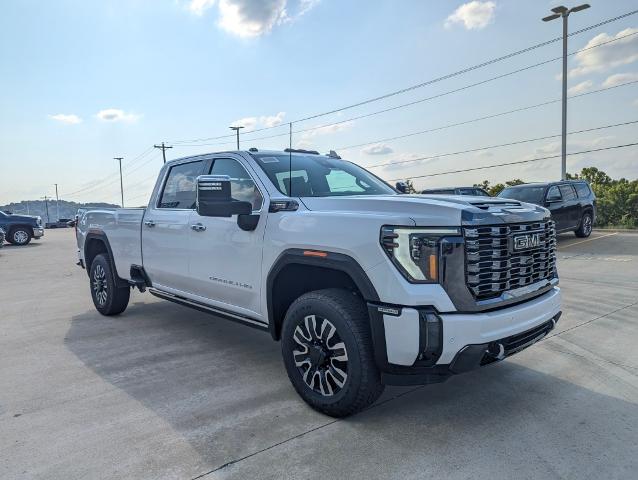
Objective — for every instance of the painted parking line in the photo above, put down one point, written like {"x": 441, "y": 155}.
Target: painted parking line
{"x": 588, "y": 240}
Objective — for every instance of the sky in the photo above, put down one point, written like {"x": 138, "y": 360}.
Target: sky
{"x": 83, "y": 82}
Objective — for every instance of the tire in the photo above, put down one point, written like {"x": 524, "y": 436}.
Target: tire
{"x": 327, "y": 350}
{"x": 585, "y": 227}
{"x": 19, "y": 236}
{"x": 108, "y": 298}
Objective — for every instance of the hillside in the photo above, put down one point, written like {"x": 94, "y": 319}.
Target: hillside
{"x": 38, "y": 207}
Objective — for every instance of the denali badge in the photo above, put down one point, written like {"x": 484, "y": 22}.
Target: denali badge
{"x": 525, "y": 242}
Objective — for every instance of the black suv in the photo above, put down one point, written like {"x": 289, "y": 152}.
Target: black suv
{"x": 571, "y": 202}
{"x": 20, "y": 229}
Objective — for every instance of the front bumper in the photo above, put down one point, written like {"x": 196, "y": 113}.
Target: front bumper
{"x": 38, "y": 232}
{"x": 467, "y": 341}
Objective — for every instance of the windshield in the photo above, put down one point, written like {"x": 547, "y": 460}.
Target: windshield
{"x": 319, "y": 176}
{"x": 524, "y": 194}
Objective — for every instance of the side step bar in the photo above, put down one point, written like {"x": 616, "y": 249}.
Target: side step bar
{"x": 208, "y": 309}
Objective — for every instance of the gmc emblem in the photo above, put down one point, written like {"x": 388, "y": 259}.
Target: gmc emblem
{"x": 525, "y": 242}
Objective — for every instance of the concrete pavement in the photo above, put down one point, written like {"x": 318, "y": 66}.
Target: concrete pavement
{"x": 165, "y": 392}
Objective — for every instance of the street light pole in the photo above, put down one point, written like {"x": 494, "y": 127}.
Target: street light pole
{"x": 119, "y": 159}
{"x": 563, "y": 12}
{"x": 57, "y": 201}
{"x": 236, "y": 130}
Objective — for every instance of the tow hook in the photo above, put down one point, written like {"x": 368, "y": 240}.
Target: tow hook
{"x": 496, "y": 351}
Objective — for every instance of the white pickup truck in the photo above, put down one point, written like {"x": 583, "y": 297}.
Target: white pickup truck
{"x": 364, "y": 286}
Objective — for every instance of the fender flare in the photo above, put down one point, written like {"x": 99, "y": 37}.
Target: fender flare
{"x": 101, "y": 236}
{"x": 332, "y": 260}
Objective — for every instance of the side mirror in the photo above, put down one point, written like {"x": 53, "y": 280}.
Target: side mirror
{"x": 214, "y": 198}
{"x": 402, "y": 187}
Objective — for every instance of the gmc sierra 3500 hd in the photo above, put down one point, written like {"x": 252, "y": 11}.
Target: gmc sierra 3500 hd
{"x": 363, "y": 286}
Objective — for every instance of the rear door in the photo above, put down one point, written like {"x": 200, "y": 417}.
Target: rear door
{"x": 226, "y": 261}
{"x": 166, "y": 228}
{"x": 571, "y": 205}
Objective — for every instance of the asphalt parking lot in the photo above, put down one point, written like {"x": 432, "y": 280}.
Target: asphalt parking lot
{"x": 165, "y": 392}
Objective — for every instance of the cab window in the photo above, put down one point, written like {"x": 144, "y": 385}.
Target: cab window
{"x": 242, "y": 186}
{"x": 180, "y": 187}
{"x": 582, "y": 189}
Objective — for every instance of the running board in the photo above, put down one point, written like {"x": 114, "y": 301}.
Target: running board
{"x": 202, "y": 307}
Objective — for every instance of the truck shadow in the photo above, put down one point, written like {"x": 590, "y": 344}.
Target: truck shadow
{"x": 223, "y": 388}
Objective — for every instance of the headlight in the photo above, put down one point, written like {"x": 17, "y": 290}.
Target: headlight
{"x": 415, "y": 250}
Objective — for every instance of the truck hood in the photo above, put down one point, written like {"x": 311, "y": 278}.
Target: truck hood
{"x": 433, "y": 210}
{"x": 24, "y": 218}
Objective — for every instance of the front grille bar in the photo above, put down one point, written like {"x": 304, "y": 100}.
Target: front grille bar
{"x": 494, "y": 267}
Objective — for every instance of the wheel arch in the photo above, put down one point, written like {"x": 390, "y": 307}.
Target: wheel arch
{"x": 96, "y": 243}
{"x": 298, "y": 271}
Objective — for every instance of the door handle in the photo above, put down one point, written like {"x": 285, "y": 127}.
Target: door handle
{"x": 149, "y": 223}
{"x": 198, "y": 227}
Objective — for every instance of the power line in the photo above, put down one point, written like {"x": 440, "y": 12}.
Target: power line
{"x": 414, "y": 102}
{"x": 478, "y": 119}
{"x": 515, "y": 163}
{"x": 490, "y": 147}
{"x": 431, "y": 81}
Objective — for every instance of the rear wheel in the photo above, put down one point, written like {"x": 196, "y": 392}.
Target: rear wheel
{"x": 108, "y": 297}
{"x": 585, "y": 227}
{"x": 19, "y": 236}
{"x": 327, "y": 350}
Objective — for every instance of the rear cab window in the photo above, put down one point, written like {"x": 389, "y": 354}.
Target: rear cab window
{"x": 180, "y": 190}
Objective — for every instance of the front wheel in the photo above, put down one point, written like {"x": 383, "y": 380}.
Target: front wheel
{"x": 585, "y": 227}
{"x": 328, "y": 354}
{"x": 19, "y": 236}
{"x": 108, "y": 297}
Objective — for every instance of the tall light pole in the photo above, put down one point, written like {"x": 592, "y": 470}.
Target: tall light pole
{"x": 57, "y": 201}
{"x": 236, "y": 130}
{"x": 563, "y": 12}
{"x": 119, "y": 159}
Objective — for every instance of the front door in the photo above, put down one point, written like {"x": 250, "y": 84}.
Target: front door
{"x": 225, "y": 261}
{"x": 554, "y": 202}
{"x": 166, "y": 227}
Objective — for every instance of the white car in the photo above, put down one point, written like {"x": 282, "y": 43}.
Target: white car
{"x": 363, "y": 286}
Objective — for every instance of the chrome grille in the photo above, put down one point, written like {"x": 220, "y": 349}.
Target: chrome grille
{"x": 494, "y": 267}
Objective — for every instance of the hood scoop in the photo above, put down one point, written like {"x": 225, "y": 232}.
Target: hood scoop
{"x": 483, "y": 205}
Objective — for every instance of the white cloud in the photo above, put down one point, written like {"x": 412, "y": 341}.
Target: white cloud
{"x": 606, "y": 57}
{"x": 378, "y": 149}
{"x": 250, "y": 123}
{"x": 198, "y": 7}
{"x": 473, "y": 15}
{"x": 619, "y": 79}
{"x": 116, "y": 115}
{"x": 252, "y": 18}
{"x": 328, "y": 129}
{"x": 581, "y": 87}
{"x": 273, "y": 120}
{"x": 69, "y": 119}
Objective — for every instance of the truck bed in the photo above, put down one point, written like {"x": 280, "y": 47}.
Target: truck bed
{"x": 123, "y": 227}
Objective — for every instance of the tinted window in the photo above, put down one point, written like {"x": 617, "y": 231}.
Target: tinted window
{"x": 524, "y": 194}
{"x": 179, "y": 190}
{"x": 568, "y": 192}
{"x": 554, "y": 193}
{"x": 319, "y": 176}
{"x": 242, "y": 186}
{"x": 582, "y": 189}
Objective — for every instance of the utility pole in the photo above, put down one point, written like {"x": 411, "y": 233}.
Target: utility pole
{"x": 163, "y": 147}
{"x": 236, "y": 130}
{"x": 46, "y": 205}
{"x": 119, "y": 159}
{"x": 57, "y": 201}
{"x": 563, "y": 12}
